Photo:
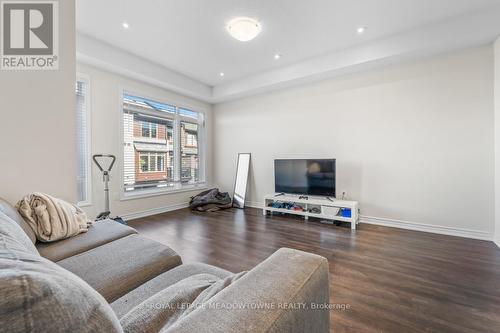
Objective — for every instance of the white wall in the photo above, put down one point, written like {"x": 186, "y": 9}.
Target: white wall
{"x": 497, "y": 142}
{"x": 413, "y": 142}
{"x": 106, "y": 120}
{"x": 37, "y": 127}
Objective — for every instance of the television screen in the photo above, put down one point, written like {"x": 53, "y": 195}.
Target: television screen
{"x": 311, "y": 177}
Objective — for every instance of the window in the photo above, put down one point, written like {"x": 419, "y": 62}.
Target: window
{"x": 160, "y": 162}
{"x": 145, "y": 130}
{"x": 191, "y": 140}
{"x": 83, "y": 140}
{"x": 149, "y": 129}
{"x": 144, "y": 163}
{"x": 162, "y": 146}
{"x": 154, "y": 129}
{"x": 152, "y": 162}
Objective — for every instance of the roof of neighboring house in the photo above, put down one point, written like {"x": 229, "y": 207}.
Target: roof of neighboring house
{"x": 148, "y": 104}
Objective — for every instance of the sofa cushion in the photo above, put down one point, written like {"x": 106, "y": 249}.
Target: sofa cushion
{"x": 286, "y": 277}
{"x": 163, "y": 308}
{"x": 125, "y": 303}
{"x": 12, "y": 212}
{"x": 211, "y": 291}
{"x": 12, "y": 230}
{"x": 40, "y": 296}
{"x": 101, "y": 232}
{"x": 116, "y": 268}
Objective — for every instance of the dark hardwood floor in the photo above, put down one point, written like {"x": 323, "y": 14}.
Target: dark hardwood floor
{"x": 393, "y": 280}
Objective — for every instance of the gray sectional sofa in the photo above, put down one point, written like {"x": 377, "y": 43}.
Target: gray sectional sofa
{"x": 111, "y": 279}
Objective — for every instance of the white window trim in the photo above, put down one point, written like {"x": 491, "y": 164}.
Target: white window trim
{"x": 202, "y": 146}
{"x": 88, "y": 111}
{"x": 157, "y": 192}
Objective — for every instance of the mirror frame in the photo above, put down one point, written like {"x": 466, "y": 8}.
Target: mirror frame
{"x": 234, "y": 202}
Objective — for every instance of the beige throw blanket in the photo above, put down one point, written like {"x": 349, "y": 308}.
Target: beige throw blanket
{"x": 51, "y": 218}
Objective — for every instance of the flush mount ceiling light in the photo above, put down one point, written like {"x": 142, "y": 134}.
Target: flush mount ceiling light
{"x": 125, "y": 25}
{"x": 244, "y": 29}
{"x": 361, "y": 30}
{"x": 277, "y": 56}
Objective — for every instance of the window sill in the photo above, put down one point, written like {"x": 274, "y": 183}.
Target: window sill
{"x": 139, "y": 194}
{"x": 84, "y": 204}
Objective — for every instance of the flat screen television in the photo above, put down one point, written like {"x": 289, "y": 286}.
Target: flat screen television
{"x": 306, "y": 177}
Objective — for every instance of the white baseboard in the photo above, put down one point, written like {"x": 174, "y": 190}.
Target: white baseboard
{"x": 254, "y": 204}
{"x": 436, "y": 229}
{"x": 450, "y": 231}
{"x": 459, "y": 232}
{"x": 154, "y": 211}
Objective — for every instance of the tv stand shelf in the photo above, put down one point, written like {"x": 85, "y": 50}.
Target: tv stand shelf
{"x": 327, "y": 207}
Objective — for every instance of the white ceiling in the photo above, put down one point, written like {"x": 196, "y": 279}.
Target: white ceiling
{"x": 189, "y": 36}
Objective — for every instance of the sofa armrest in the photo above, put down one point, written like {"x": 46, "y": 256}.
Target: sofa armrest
{"x": 281, "y": 294}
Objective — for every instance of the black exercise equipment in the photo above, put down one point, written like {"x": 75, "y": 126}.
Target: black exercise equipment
{"x": 106, "y": 214}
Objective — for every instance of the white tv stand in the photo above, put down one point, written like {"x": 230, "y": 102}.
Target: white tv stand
{"x": 327, "y": 207}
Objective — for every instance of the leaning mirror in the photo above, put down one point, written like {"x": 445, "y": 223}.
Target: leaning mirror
{"x": 240, "y": 184}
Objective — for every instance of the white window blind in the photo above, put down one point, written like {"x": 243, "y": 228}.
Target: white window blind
{"x": 162, "y": 146}
{"x": 83, "y": 141}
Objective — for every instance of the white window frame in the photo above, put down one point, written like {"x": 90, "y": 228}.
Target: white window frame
{"x": 86, "y": 78}
{"x": 202, "y": 146}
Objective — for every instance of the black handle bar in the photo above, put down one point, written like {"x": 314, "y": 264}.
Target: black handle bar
{"x": 109, "y": 156}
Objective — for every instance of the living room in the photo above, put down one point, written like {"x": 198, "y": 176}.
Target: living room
{"x": 250, "y": 166}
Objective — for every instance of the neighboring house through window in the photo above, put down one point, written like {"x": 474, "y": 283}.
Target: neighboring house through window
{"x": 161, "y": 146}
{"x": 189, "y": 152}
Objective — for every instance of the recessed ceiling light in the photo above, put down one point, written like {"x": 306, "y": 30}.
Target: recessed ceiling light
{"x": 221, "y": 74}
{"x": 125, "y": 25}
{"x": 244, "y": 29}
{"x": 277, "y": 56}
{"x": 361, "y": 30}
